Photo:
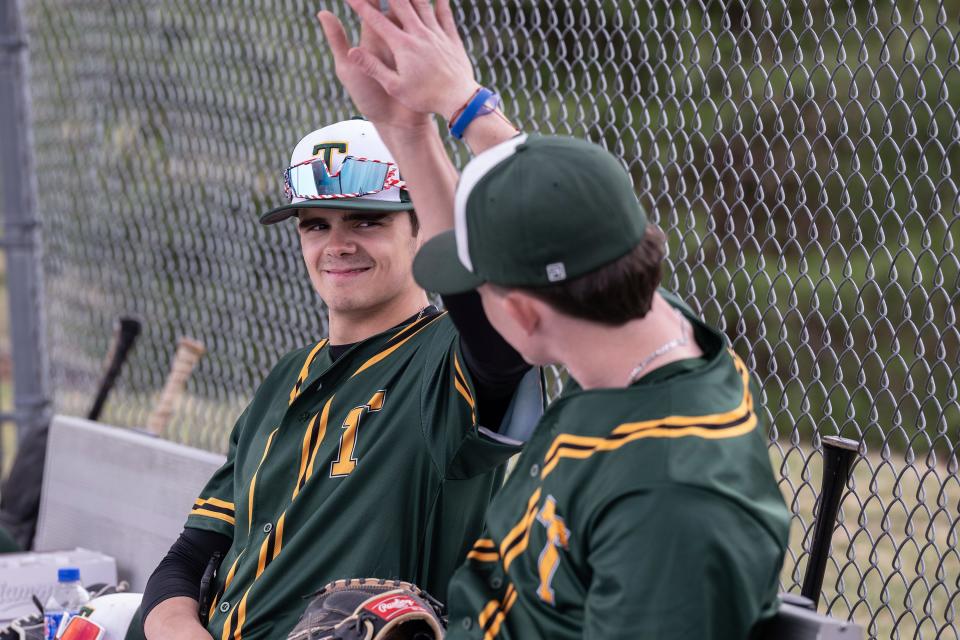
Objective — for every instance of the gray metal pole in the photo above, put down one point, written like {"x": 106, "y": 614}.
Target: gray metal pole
{"x": 21, "y": 237}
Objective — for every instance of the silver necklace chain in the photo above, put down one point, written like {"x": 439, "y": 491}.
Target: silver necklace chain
{"x": 422, "y": 311}
{"x": 666, "y": 347}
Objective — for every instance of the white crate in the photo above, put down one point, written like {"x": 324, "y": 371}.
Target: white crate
{"x": 23, "y": 575}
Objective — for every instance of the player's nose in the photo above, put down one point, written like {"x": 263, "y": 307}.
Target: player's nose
{"x": 339, "y": 242}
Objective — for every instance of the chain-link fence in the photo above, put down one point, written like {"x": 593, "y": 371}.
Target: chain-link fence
{"x": 801, "y": 157}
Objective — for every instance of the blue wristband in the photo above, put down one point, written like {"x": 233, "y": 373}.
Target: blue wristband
{"x": 473, "y": 109}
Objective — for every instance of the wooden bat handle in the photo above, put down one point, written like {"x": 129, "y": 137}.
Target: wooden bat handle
{"x": 189, "y": 352}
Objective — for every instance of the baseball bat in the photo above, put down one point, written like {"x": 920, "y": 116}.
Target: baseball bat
{"x": 125, "y": 333}
{"x": 188, "y": 354}
{"x": 838, "y": 458}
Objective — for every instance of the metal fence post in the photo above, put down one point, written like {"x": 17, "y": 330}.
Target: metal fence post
{"x": 21, "y": 238}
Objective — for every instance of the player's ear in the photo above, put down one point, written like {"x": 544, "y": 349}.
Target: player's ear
{"x": 524, "y": 310}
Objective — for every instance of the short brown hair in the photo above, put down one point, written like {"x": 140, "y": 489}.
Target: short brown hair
{"x": 414, "y": 222}
{"x": 615, "y": 293}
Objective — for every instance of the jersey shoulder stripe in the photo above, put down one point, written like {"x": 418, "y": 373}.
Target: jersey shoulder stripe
{"x": 395, "y": 344}
{"x": 729, "y": 424}
{"x": 305, "y": 369}
{"x": 416, "y": 325}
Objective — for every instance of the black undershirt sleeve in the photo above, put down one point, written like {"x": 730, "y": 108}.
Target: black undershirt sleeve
{"x": 180, "y": 571}
{"x": 495, "y": 366}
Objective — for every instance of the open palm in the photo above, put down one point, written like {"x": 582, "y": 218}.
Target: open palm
{"x": 417, "y": 56}
{"x": 368, "y": 95}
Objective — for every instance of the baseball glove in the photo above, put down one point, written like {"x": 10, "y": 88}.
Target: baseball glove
{"x": 371, "y": 609}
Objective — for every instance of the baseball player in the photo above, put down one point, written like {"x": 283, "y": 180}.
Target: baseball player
{"x": 366, "y": 453}
{"x": 644, "y": 505}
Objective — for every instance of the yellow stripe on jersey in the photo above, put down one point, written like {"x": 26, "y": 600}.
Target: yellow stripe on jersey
{"x": 508, "y": 603}
{"x": 494, "y": 613}
{"x": 487, "y": 613}
{"x": 216, "y": 502}
{"x": 386, "y": 352}
{"x": 241, "y": 618}
{"x": 484, "y": 550}
{"x": 217, "y": 515}
{"x": 321, "y": 432}
{"x": 515, "y": 542}
{"x": 226, "y": 583}
{"x": 312, "y": 440}
{"x": 305, "y": 370}
{"x": 269, "y": 551}
{"x": 308, "y": 435}
{"x": 231, "y": 624}
{"x": 410, "y": 326}
{"x": 463, "y": 391}
{"x": 729, "y": 424}
{"x": 214, "y": 508}
{"x": 253, "y": 480}
{"x": 460, "y": 383}
{"x": 266, "y": 555}
{"x": 279, "y": 531}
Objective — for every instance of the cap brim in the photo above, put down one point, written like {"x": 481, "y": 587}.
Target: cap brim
{"x": 349, "y": 204}
{"x": 437, "y": 267}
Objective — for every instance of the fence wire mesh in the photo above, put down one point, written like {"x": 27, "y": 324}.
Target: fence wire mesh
{"x": 800, "y": 156}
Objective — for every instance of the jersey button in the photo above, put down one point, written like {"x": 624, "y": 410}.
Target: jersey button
{"x": 467, "y": 623}
{"x": 224, "y": 607}
{"x": 496, "y": 582}
{"x": 267, "y": 528}
{"x": 534, "y": 471}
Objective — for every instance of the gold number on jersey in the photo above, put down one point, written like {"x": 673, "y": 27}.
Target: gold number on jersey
{"x": 557, "y": 536}
{"x": 346, "y": 461}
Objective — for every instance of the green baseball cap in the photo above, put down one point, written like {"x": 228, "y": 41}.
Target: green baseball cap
{"x": 534, "y": 211}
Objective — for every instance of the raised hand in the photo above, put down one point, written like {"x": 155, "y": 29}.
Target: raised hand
{"x": 368, "y": 95}
{"x": 427, "y": 69}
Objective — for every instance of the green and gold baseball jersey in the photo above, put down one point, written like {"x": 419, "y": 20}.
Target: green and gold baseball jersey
{"x": 642, "y": 512}
{"x": 372, "y": 465}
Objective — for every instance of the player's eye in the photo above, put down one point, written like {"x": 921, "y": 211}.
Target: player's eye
{"x": 364, "y": 224}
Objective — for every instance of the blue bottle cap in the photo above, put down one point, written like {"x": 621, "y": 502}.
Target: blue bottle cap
{"x": 68, "y": 574}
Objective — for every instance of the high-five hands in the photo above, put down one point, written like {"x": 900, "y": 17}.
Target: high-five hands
{"x": 367, "y": 94}
{"x": 414, "y": 55}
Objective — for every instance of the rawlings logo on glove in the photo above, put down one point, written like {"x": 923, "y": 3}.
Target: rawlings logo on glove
{"x": 394, "y": 605}
{"x": 371, "y": 609}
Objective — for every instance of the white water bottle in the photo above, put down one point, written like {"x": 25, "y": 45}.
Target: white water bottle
{"x": 66, "y": 600}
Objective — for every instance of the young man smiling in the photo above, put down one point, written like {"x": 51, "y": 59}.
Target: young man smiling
{"x": 644, "y": 505}
{"x": 366, "y": 453}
